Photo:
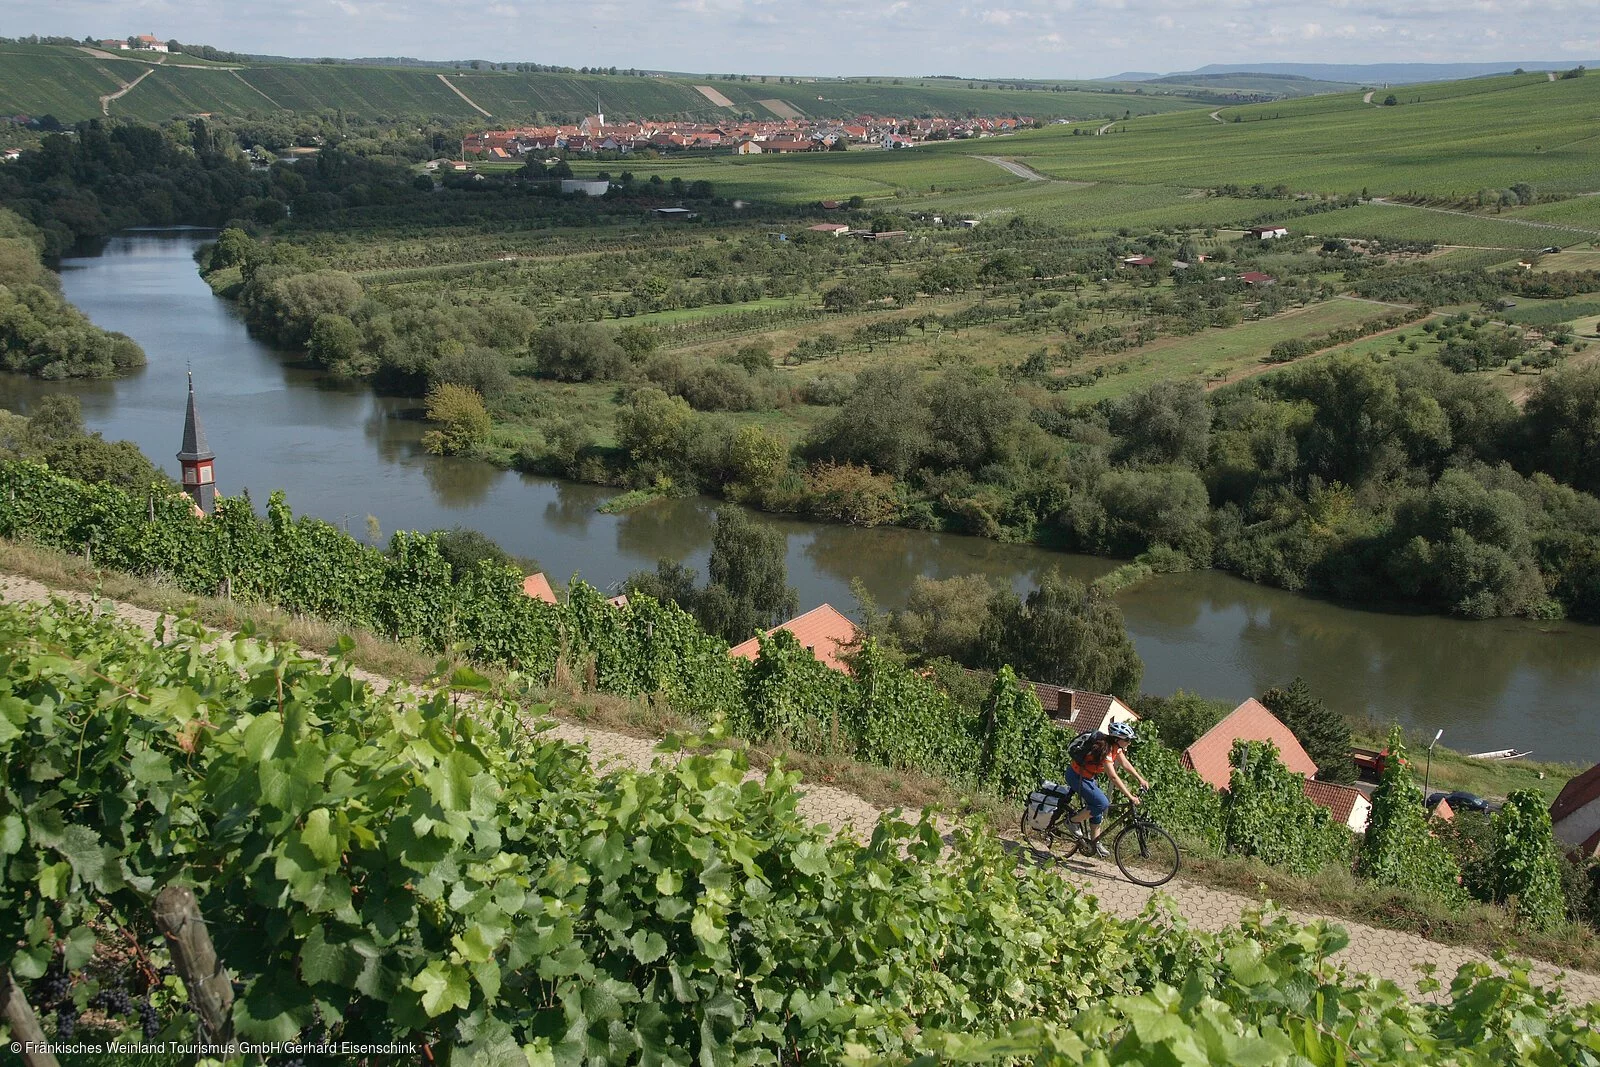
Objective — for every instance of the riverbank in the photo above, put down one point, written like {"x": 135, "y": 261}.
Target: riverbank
{"x": 346, "y": 452}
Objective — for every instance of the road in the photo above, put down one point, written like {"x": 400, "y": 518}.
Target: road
{"x": 1026, "y": 173}
{"x": 105, "y": 101}
{"x": 449, "y": 85}
{"x": 1384, "y": 954}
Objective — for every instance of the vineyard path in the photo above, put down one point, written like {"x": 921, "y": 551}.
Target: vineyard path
{"x": 1385, "y": 954}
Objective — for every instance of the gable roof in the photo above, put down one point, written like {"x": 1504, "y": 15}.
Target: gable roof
{"x": 1251, "y": 721}
{"x": 1340, "y": 800}
{"x": 1077, "y": 708}
{"x": 538, "y": 587}
{"x": 1577, "y": 794}
{"x": 824, "y": 631}
{"x": 194, "y": 447}
{"x": 1443, "y": 810}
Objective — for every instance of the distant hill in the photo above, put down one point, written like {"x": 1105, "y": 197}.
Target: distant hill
{"x": 72, "y": 84}
{"x": 1258, "y": 82}
{"x": 1362, "y": 73}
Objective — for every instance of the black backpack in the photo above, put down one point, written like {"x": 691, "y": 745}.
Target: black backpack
{"x": 1087, "y": 744}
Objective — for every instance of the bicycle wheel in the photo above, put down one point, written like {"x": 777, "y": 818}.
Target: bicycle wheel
{"x": 1146, "y": 853}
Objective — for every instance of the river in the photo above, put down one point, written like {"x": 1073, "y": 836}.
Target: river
{"x": 343, "y": 453}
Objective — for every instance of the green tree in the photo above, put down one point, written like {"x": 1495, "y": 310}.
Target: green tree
{"x": 336, "y": 344}
{"x": 1323, "y": 732}
{"x": 656, "y": 431}
{"x": 1525, "y": 866}
{"x": 464, "y": 549}
{"x": 749, "y": 578}
{"x": 1180, "y": 719}
{"x": 944, "y": 617}
{"x": 234, "y": 248}
{"x": 462, "y": 420}
{"x": 579, "y": 352}
{"x": 1062, "y": 635}
{"x": 1397, "y": 848}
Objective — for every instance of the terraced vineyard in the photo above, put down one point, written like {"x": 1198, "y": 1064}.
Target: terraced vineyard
{"x": 68, "y": 82}
{"x": 1456, "y": 138}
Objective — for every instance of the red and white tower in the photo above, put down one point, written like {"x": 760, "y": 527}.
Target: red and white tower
{"x": 196, "y": 458}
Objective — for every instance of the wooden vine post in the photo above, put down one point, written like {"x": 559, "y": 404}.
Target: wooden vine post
{"x": 25, "y": 1028}
{"x": 177, "y": 916}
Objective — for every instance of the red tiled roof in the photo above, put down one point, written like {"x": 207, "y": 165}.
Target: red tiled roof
{"x": 1251, "y": 721}
{"x": 538, "y": 587}
{"x": 828, "y": 227}
{"x": 824, "y": 630}
{"x": 1443, "y": 810}
{"x": 1340, "y": 800}
{"x": 1576, "y": 794}
{"x": 1082, "y": 711}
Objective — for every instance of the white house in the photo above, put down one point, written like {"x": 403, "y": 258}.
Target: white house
{"x": 1268, "y": 233}
{"x": 1347, "y": 805}
{"x": 1576, "y": 813}
{"x": 147, "y": 43}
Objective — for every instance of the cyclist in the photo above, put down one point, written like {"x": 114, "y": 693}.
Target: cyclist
{"x": 1101, "y": 755}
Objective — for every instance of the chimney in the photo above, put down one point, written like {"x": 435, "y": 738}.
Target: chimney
{"x": 1067, "y": 704}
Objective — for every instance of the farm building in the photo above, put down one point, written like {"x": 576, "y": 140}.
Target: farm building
{"x": 1080, "y": 710}
{"x": 1347, "y": 805}
{"x": 1210, "y": 755}
{"x": 823, "y": 631}
{"x": 675, "y": 213}
{"x": 1255, "y": 277}
{"x": 1268, "y": 233}
{"x": 835, "y": 229}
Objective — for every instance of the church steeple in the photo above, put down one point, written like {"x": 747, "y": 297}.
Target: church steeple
{"x": 196, "y": 457}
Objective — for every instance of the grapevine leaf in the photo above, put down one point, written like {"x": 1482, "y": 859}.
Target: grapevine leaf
{"x": 442, "y": 986}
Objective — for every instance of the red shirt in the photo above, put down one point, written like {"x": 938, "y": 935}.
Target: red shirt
{"x": 1095, "y": 765}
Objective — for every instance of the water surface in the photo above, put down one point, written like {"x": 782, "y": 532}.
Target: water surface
{"x": 343, "y": 453}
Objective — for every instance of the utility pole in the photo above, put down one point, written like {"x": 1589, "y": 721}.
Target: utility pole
{"x": 1428, "y": 774}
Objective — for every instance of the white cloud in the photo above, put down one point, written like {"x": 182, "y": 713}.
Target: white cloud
{"x": 977, "y": 38}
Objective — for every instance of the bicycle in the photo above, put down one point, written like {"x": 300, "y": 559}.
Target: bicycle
{"x": 1145, "y": 853}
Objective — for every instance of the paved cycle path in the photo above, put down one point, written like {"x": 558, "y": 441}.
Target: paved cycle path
{"x": 1389, "y": 954}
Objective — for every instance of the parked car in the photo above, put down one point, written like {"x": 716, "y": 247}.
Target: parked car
{"x": 1552, "y": 249}
{"x": 1460, "y": 800}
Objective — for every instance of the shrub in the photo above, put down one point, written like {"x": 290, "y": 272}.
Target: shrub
{"x": 1398, "y": 849}
{"x": 845, "y": 492}
{"x": 1525, "y": 864}
{"x": 462, "y": 419}
{"x": 1267, "y": 814}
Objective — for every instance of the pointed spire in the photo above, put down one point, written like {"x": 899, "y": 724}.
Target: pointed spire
{"x": 194, "y": 435}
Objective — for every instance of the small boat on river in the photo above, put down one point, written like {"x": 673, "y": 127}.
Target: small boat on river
{"x": 1500, "y": 753}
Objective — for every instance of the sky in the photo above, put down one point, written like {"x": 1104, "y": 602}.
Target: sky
{"x": 988, "y": 38}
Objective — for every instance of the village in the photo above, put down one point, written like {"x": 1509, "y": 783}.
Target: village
{"x": 781, "y": 136}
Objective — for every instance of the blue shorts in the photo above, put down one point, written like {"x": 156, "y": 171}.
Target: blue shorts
{"x": 1094, "y": 798}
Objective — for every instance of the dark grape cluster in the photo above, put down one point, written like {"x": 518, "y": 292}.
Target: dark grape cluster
{"x": 149, "y": 1021}
{"x": 54, "y": 987}
{"x": 113, "y": 1001}
{"x": 66, "y": 1020}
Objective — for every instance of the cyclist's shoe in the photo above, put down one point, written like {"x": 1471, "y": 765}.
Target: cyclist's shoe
{"x": 1094, "y": 848}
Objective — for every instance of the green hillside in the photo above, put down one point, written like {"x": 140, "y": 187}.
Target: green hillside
{"x": 68, "y": 83}
{"x": 1453, "y": 138}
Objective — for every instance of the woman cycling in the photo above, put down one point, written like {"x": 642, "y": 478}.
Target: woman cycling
{"x": 1100, "y": 756}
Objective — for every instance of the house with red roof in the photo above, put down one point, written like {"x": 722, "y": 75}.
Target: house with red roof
{"x": 1255, "y": 277}
{"x": 1079, "y": 710}
{"x": 538, "y": 587}
{"x": 1267, "y": 233}
{"x": 824, "y": 631}
{"x": 1575, "y": 816}
{"x": 1347, "y": 804}
{"x": 834, "y": 229}
{"x": 1210, "y": 755}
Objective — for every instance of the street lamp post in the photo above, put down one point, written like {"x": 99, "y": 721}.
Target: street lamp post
{"x": 1428, "y": 774}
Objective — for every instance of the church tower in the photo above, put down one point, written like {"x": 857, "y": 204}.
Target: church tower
{"x": 195, "y": 458}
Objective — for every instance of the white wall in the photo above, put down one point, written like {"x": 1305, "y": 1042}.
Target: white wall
{"x": 1576, "y": 828}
